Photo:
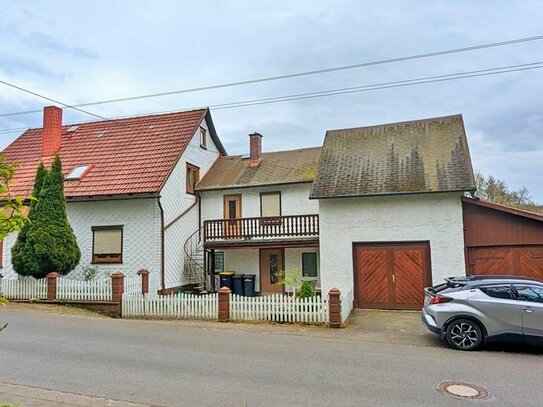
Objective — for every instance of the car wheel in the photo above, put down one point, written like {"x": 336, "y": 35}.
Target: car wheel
{"x": 464, "y": 334}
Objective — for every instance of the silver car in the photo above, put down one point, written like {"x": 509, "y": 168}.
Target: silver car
{"x": 469, "y": 311}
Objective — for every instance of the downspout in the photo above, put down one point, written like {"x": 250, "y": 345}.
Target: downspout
{"x": 162, "y": 281}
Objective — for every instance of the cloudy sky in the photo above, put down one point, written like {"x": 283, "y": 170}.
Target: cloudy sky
{"x": 81, "y": 51}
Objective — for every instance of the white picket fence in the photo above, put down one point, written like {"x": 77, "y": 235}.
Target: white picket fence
{"x": 80, "y": 290}
{"x": 347, "y": 298}
{"x": 132, "y": 285}
{"x": 24, "y": 288}
{"x": 279, "y": 308}
{"x": 178, "y": 306}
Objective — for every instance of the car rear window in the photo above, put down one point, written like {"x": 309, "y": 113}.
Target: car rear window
{"x": 446, "y": 288}
{"x": 502, "y": 291}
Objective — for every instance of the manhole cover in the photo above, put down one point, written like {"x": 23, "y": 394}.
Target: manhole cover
{"x": 464, "y": 391}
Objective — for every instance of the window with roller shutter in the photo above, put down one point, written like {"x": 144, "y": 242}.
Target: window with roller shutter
{"x": 107, "y": 244}
{"x": 270, "y": 207}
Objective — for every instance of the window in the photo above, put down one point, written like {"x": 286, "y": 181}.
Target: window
{"x": 504, "y": 292}
{"x": 193, "y": 176}
{"x": 219, "y": 262}
{"x": 270, "y": 204}
{"x": 77, "y": 173}
{"x": 309, "y": 265}
{"x": 531, "y": 294}
{"x": 107, "y": 244}
{"x": 203, "y": 138}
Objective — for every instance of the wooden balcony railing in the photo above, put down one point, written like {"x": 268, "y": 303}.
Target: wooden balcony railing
{"x": 271, "y": 227}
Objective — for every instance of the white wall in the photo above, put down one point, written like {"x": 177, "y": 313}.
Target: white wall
{"x": 294, "y": 200}
{"x": 175, "y": 201}
{"x": 436, "y": 218}
{"x": 247, "y": 261}
{"x": 140, "y": 219}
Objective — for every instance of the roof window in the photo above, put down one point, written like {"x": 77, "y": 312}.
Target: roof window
{"x": 102, "y": 133}
{"x": 77, "y": 173}
{"x": 73, "y": 128}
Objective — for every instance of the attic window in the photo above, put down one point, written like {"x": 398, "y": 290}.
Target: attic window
{"x": 203, "y": 138}
{"x": 102, "y": 133}
{"x": 77, "y": 173}
{"x": 73, "y": 128}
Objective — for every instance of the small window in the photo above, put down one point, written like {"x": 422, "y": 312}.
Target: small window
{"x": 270, "y": 204}
{"x": 309, "y": 265}
{"x": 219, "y": 262}
{"x": 503, "y": 292}
{"x": 77, "y": 173}
{"x": 530, "y": 294}
{"x": 193, "y": 176}
{"x": 203, "y": 138}
{"x": 107, "y": 244}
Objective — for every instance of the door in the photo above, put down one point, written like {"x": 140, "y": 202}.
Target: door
{"x": 232, "y": 216}
{"x": 391, "y": 276}
{"x": 526, "y": 261}
{"x": 271, "y": 266}
{"x": 531, "y": 305}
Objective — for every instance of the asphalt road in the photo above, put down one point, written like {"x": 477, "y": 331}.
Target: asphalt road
{"x": 209, "y": 364}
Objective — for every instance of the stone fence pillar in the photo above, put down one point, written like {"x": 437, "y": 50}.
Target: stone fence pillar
{"x": 52, "y": 279}
{"x": 334, "y": 308}
{"x": 117, "y": 286}
{"x": 224, "y": 304}
{"x": 144, "y": 273}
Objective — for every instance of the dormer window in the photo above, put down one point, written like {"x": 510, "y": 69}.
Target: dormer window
{"x": 77, "y": 173}
{"x": 203, "y": 137}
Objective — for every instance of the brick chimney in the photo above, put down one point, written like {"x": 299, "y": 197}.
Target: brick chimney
{"x": 255, "y": 149}
{"x": 52, "y": 130}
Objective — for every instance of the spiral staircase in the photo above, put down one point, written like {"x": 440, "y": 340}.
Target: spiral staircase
{"x": 195, "y": 269}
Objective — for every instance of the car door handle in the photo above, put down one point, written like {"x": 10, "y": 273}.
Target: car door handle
{"x": 528, "y": 309}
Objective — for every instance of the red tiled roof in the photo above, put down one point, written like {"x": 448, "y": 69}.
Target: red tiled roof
{"x": 134, "y": 156}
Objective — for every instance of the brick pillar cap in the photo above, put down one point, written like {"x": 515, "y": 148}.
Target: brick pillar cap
{"x": 225, "y": 290}
{"x": 334, "y": 291}
{"x": 143, "y": 271}
{"x": 53, "y": 274}
{"x": 117, "y": 274}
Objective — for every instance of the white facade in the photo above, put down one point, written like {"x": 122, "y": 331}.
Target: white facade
{"x": 436, "y": 218}
{"x": 294, "y": 200}
{"x": 140, "y": 219}
{"x": 175, "y": 201}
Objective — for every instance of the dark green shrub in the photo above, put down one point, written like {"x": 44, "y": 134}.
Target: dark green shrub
{"x": 49, "y": 243}
{"x": 306, "y": 290}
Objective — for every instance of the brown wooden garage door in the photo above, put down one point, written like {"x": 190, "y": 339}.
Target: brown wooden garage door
{"x": 524, "y": 261}
{"x": 391, "y": 276}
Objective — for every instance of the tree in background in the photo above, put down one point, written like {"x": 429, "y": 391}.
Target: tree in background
{"x": 12, "y": 213}
{"x": 495, "y": 190}
{"x": 49, "y": 242}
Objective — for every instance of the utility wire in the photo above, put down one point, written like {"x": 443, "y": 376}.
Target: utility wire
{"x": 352, "y": 89}
{"x": 51, "y": 100}
{"x": 298, "y": 74}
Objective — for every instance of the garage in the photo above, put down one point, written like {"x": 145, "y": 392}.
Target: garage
{"x": 391, "y": 275}
{"x": 502, "y": 241}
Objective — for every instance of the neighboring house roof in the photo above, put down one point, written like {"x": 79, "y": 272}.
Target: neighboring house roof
{"x": 126, "y": 156}
{"x": 502, "y": 208}
{"x": 429, "y": 155}
{"x": 279, "y": 167}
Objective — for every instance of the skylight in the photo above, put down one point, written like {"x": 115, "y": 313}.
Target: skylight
{"x": 102, "y": 133}
{"x": 73, "y": 128}
{"x": 77, "y": 173}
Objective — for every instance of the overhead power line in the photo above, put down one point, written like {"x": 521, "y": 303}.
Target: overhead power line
{"x": 352, "y": 89}
{"x": 50, "y": 99}
{"x": 296, "y": 74}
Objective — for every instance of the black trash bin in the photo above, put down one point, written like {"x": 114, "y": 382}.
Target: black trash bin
{"x": 249, "y": 284}
{"x": 237, "y": 284}
{"x": 225, "y": 279}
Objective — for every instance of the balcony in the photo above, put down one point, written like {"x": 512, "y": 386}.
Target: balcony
{"x": 246, "y": 231}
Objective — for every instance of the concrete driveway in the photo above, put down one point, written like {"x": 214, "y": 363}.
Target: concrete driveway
{"x": 394, "y": 327}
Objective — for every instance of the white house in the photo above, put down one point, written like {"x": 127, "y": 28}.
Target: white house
{"x": 129, "y": 185}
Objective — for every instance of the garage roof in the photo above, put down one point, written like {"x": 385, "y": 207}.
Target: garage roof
{"x": 429, "y": 155}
